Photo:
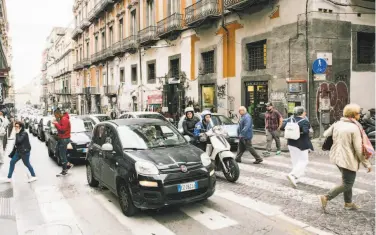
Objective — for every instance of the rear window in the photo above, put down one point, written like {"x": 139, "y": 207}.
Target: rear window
{"x": 152, "y": 116}
{"x": 103, "y": 118}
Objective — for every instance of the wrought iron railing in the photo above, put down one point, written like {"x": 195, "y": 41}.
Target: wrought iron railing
{"x": 147, "y": 34}
{"x": 130, "y": 43}
{"x": 117, "y": 47}
{"x": 86, "y": 62}
{"x": 108, "y": 52}
{"x": 77, "y": 65}
{"x": 201, "y": 10}
{"x": 85, "y": 23}
{"x": 98, "y": 8}
{"x": 110, "y": 89}
{"x": 77, "y": 31}
{"x": 171, "y": 23}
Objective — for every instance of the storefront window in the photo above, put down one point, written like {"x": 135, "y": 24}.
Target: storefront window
{"x": 207, "y": 96}
{"x": 256, "y": 98}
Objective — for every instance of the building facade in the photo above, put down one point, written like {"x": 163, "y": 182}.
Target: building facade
{"x": 220, "y": 54}
{"x": 6, "y": 78}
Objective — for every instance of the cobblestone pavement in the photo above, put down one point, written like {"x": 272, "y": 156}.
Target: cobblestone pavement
{"x": 261, "y": 202}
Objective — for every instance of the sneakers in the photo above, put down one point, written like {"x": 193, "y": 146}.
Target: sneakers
{"x": 323, "y": 201}
{"x": 32, "y": 179}
{"x": 292, "y": 180}
{"x": 70, "y": 166}
{"x": 238, "y": 160}
{"x": 351, "y": 206}
{"x": 258, "y": 161}
{"x": 5, "y": 180}
{"x": 266, "y": 153}
{"x": 278, "y": 152}
{"x": 63, "y": 173}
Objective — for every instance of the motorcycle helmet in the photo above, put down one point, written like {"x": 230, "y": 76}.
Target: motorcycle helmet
{"x": 204, "y": 113}
{"x": 189, "y": 109}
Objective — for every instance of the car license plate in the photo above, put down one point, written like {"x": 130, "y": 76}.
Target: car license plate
{"x": 84, "y": 150}
{"x": 187, "y": 186}
{"x": 236, "y": 141}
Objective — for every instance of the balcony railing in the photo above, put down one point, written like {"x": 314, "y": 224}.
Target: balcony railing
{"x": 130, "y": 44}
{"x": 241, "y": 4}
{"x": 78, "y": 65}
{"x": 108, "y": 52}
{"x": 86, "y": 62}
{"x": 98, "y": 8}
{"x": 77, "y": 31}
{"x": 148, "y": 35}
{"x": 90, "y": 90}
{"x": 172, "y": 23}
{"x": 201, "y": 10}
{"x": 99, "y": 56}
{"x": 84, "y": 24}
{"x": 117, "y": 47}
{"x": 110, "y": 90}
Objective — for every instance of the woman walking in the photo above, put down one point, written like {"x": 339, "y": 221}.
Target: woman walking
{"x": 300, "y": 147}
{"x": 21, "y": 150}
{"x": 347, "y": 153}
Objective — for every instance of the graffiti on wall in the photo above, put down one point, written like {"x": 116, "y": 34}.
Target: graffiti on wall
{"x": 221, "y": 91}
{"x": 334, "y": 97}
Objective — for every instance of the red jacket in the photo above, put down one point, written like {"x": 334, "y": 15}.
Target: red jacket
{"x": 64, "y": 127}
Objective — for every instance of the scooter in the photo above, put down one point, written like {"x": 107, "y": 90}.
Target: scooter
{"x": 219, "y": 152}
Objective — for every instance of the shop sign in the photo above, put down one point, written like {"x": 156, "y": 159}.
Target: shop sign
{"x": 256, "y": 83}
{"x": 155, "y": 99}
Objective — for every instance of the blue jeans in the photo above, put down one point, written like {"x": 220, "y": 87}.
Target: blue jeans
{"x": 26, "y": 161}
{"x": 62, "y": 146}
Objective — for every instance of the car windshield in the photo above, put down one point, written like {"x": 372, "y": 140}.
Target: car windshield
{"x": 224, "y": 120}
{"x": 77, "y": 126}
{"x": 153, "y": 116}
{"x": 147, "y": 136}
{"x": 103, "y": 118}
{"x": 88, "y": 125}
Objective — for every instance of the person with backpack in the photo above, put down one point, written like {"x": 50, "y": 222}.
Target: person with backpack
{"x": 350, "y": 148}
{"x": 297, "y": 129}
{"x": 3, "y": 135}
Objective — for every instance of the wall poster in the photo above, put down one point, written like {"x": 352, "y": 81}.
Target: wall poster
{"x": 207, "y": 96}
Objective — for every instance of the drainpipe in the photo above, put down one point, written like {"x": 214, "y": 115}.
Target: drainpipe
{"x": 227, "y": 41}
{"x": 139, "y": 55}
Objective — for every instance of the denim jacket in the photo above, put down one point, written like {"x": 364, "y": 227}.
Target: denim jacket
{"x": 245, "y": 129}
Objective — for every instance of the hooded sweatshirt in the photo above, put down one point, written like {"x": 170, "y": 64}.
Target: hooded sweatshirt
{"x": 64, "y": 127}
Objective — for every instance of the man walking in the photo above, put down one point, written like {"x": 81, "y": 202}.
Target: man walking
{"x": 273, "y": 124}
{"x": 64, "y": 133}
{"x": 3, "y": 135}
{"x": 245, "y": 133}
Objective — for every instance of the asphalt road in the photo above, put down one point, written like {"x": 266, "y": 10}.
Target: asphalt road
{"x": 261, "y": 202}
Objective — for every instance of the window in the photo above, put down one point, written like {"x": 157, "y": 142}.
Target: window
{"x": 111, "y": 36}
{"x": 76, "y": 21}
{"x": 175, "y": 68}
{"x": 79, "y": 18}
{"x": 208, "y": 62}
{"x": 122, "y": 78}
{"x": 151, "y": 72}
{"x": 256, "y": 55}
{"x": 80, "y": 53}
{"x": 134, "y": 74}
{"x": 103, "y": 40}
{"x": 133, "y": 23}
{"x": 87, "y": 50}
{"x": 96, "y": 43}
{"x": 150, "y": 19}
{"x": 173, "y": 6}
{"x": 121, "y": 32}
{"x": 77, "y": 56}
{"x": 366, "y": 48}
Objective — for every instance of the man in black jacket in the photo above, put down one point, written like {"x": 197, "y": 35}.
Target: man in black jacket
{"x": 21, "y": 150}
{"x": 190, "y": 122}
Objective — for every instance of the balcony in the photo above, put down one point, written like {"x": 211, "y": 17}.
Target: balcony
{"x": 111, "y": 90}
{"x": 108, "y": 52}
{"x": 77, "y": 31}
{"x": 239, "y": 5}
{"x": 78, "y": 65}
{"x": 201, "y": 11}
{"x": 90, "y": 90}
{"x": 85, "y": 24}
{"x": 129, "y": 44}
{"x": 98, "y": 9}
{"x": 148, "y": 35}
{"x": 117, "y": 47}
{"x": 86, "y": 62}
{"x": 170, "y": 25}
{"x": 98, "y": 57}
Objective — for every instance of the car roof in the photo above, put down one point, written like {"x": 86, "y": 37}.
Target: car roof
{"x": 135, "y": 121}
{"x": 141, "y": 112}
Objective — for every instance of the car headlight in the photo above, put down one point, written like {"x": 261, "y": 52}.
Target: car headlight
{"x": 146, "y": 168}
{"x": 205, "y": 159}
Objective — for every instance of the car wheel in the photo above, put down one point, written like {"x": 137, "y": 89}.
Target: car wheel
{"x": 125, "y": 200}
{"x": 90, "y": 176}
{"x": 50, "y": 153}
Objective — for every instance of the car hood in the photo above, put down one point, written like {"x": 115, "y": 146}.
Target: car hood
{"x": 232, "y": 130}
{"x": 80, "y": 138}
{"x": 170, "y": 157}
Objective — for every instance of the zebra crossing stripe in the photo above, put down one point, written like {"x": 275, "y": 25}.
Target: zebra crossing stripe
{"x": 208, "y": 217}
{"x": 282, "y": 176}
{"x": 309, "y": 169}
{"x": 140, "y": 225}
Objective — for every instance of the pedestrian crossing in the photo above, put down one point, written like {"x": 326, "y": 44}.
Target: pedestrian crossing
{"x": 261, "y": 198}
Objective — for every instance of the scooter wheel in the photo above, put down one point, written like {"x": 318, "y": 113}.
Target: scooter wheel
{"x": 233, "y": 171}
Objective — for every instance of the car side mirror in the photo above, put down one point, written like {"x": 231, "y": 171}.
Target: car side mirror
{"x": 187, "y": 138}
{"x": 107, "y": 147}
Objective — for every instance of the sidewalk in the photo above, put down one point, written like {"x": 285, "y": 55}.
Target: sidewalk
{"x": 259, "y": 142}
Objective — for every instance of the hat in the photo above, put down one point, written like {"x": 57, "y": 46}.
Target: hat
{"x": 268, "y": 104}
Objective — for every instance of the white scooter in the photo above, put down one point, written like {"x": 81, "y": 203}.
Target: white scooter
{"x": 220, "y": 154}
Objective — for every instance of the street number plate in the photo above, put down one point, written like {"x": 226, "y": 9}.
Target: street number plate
{"x": 188, "y": 186}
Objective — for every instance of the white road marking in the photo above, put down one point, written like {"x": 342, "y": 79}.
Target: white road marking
{"x": 282, "y": 176}
{"x": 309, "y": 169}
{"x": 311, "y": 163}
{"x": 139, "y": 225}
{"x": 210, "y": 218}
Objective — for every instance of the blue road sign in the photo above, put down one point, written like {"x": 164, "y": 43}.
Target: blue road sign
{"x": 319, "y": 66}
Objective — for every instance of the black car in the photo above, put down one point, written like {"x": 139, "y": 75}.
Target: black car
{"x": 148, "y": 164}
{"x": 42, "y": 126}
{"x": 34, "y": 126}
{"x": 79, "y": 141}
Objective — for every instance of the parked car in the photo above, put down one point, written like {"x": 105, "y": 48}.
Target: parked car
{"x": 145, "y": 115}
{"x": 96, "y": 118}
{"x": 148, "y": 164}
{"x": 79, "y": 141}
{"x": 35, "y": 126}
{"x": 89, "y": 125}
{"x": 42, "y": 125}
{"x": 219, "y": 119}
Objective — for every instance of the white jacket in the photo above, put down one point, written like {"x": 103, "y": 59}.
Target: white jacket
{"x": 347, "y": 149}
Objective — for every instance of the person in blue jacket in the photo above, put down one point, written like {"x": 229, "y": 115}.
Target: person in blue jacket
{"x": 203, "y": 126}
{"x": 245, "y": 134}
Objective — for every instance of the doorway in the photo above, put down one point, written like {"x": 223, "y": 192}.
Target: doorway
{"x": 256, "y": 96}
{"x": 208, "y": 97}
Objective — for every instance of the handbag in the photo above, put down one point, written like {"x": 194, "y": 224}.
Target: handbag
{"x": 368, "y": 149}
{"x": 328, "y": 143}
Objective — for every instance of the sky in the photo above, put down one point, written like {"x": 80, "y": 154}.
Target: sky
{"x": 30, "y": 23}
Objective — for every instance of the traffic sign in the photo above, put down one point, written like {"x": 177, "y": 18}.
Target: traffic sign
{"x": 319, "y": 66}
